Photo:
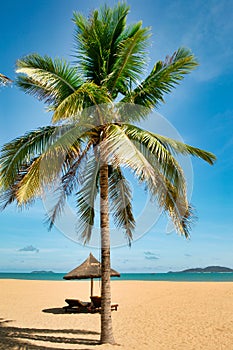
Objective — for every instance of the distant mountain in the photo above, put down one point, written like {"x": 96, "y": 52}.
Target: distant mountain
{"x": 42, "y": 272}
{"x": 207, "y": 269}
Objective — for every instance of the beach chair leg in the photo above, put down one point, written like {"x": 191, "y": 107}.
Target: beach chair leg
{"x": 114, "y": 307}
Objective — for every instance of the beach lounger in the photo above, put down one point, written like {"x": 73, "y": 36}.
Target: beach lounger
{"x": 96, "y": 304}
{"x": 76, "y": 305}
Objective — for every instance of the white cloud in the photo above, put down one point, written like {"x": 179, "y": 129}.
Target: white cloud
{"x": 29, "y": 248}
{"x": 150, "y": 256}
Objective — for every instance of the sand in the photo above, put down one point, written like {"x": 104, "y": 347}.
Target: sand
{"x": 151, "y": 315}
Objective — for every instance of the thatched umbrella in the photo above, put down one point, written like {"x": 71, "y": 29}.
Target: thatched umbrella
{"x": 90, "y": 268}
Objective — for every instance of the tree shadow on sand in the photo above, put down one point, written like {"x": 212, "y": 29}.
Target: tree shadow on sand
{"x": 61, "y": 310}
{"x": 17, "y": 338}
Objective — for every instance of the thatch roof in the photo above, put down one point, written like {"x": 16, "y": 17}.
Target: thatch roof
{"x": 90, "y": 268}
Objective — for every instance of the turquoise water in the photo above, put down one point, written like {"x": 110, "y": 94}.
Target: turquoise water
{"x": 189, "y": 277}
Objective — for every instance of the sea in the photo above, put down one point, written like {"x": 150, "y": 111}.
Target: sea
{"x": 170, "y": 276}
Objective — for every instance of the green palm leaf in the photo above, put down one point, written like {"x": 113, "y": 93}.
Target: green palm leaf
{"x": 4, "y": 80}
{"x": 69, "y": 182}
{"x": 177, "y": 147}
{"x": 9, "y": 195}
{"x": 120, "y": 200}
{"x": 130, "y": 59}
{"x": 86, "y": 199}
{"x": 96, "y": 40}
{"x": 49, "y": 151}
{"x": 42, "y": 173}
{"x": 119, "y": 149}
{"x": 89, "y": 94}
{"x": 163, "y": 148}
{"x": 156, "y": 153}
{"x": 21, "y": 150}
{"x": 31, "y": 185}
{"x": 163, "y": 77}
{"x": 172, "y": 194}
{"x": 177, "y": 206}
{"x": 47, "y": 79}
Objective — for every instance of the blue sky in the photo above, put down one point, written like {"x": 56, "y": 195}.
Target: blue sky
{"x": 200, "y": 110}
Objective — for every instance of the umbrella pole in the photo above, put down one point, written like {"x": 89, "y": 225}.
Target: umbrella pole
{"x": 91, "y": 287}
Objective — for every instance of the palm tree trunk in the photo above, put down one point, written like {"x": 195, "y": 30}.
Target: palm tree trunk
{"x": 106, "y": 318}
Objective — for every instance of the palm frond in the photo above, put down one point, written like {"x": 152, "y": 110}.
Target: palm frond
{"x": 157, "y": 153}
{"x": 120, "y": 150}
{"x": 4, "y": 80}
{"x": 86, "y": 199}
{"x": 19, "y": 152}
{"x": 120, "y": 202}
{"x": 130, "y": 59}
{"x": 96, "y": 39}
{"x": 44, "y": 172}
{"x": 9, "y": 195}
{"x": 55, "y": 162}
{"x": 128, "y": 112}
{"x": 177, "y": 147}
{"x": 50, "y": 152}
{"x": 89, "y": 94}
{"x": 53, "y": 139}
{"x": 57, "y": 209}
{"x": 31, "y": 185}
{"x": 177, "y": 206}
{"x": 69, "y": 181}
{"x": 47, "y": 79}
{"x": 162, "y": 79}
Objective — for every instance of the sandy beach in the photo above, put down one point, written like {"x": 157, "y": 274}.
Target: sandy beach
{"x": 151, "y": 315}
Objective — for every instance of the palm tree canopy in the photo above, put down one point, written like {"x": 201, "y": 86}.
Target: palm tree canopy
{"x": 94, "y": 103}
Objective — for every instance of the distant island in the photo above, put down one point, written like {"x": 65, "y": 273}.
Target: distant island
{"x": 42, "y": 272}
{"x": 207, "y": 269}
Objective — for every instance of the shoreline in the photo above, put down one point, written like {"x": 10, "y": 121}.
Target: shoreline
{"x": 169, "y": 276}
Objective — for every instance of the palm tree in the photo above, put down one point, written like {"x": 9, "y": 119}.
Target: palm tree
{"x": 92, "y": 138}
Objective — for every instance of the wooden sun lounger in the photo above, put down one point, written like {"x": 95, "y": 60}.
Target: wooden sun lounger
{"x": 76, "y": 305}
{"x": 96, "y": 304}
